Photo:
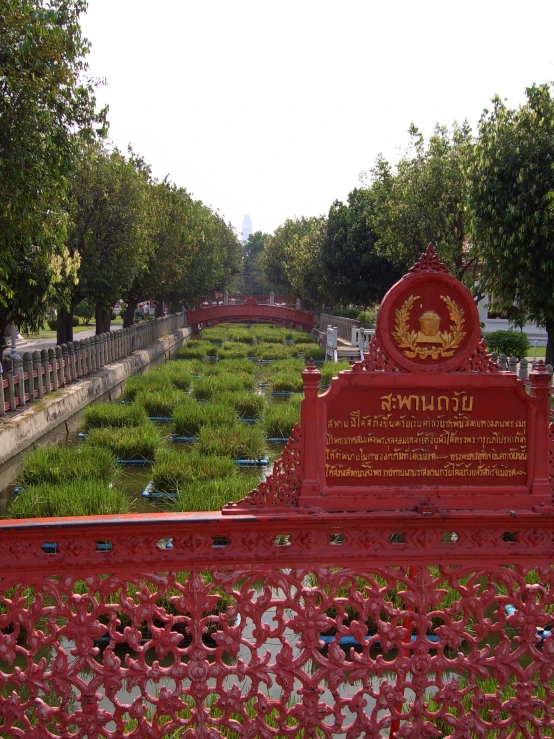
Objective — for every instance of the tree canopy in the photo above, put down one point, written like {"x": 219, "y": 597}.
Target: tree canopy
{"x": 46, "y": 106}
{"x": 511, "y": 187}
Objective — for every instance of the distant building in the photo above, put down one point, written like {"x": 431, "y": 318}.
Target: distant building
{"x": 246, "y": 228}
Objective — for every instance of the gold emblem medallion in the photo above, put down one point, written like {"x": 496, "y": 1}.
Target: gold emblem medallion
{"x": 429, "y": 332}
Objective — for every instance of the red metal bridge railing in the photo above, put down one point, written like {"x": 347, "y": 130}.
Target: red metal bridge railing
{"x": 241, "y": 625}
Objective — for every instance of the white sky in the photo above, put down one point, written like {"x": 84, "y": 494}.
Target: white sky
{"x": 276, "y": 107}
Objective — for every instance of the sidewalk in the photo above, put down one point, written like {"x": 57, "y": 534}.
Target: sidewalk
{"x": 33, "y": 345}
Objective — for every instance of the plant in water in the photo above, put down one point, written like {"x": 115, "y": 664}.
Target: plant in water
{"x": 240, "y": 334}
{"x": 304, "y": 339}
{"x": 138, "y": 442}
{"x": 311, "y": 352}
{"x": 280, "y": 419}
{"x": 330, "y": 370}
{"x": 209, "y": 388}
{"x": 143, "y": 383}
{"x": 189, "y": 418}
{"x": 102, "y": 415}
{"x": 273, "y": 351}
{"x": 242, "y": 366}
{"x": 288, "y": 382}
{"x": 215, "y": 333}
{"x": 233, "y": 351}
{"x": 176, "y": 374}
{"x": 56, "y": 464}
{"x": 161, "y": 403}
{"x": 175, "y": 468}
{"x": 240, "y": 442}
{"x": 76, "y": 498}
{"x": 191, "y": 353}
{"x": 246, "y": 405}
{"x": 211, "y": 495}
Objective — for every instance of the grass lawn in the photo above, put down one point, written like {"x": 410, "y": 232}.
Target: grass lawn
{"x": 46, "y": 333}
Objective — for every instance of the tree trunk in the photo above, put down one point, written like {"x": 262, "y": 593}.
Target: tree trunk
{"x": 129, "y": 313}
{"x": 549, "y": 359}
{"x": 103, "y": 319}
{"x": 159, "y": 308}
{"x": 64, "y": 326}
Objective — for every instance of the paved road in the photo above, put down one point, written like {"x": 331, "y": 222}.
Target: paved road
{"x": 32, "y": 345}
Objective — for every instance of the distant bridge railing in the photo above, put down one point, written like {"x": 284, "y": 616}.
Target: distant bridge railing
{"x": 287, "y": 301}
{"x": 32, "y": 376}
{"x": 250, "y": 311}
{"x": 204, "y": 624}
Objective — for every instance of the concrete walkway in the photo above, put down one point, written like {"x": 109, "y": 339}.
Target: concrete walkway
{"x": 33, "y": 345}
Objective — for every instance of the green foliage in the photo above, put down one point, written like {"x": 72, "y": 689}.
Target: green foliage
{"x": 187, "y": 352}
{"x": 215, "y": 333}
{"x": 102, "y": 415}
{"x": 211, "y": 495}
{"x": 330, "y": 370}
{"x": 510, "y": 343}
{"x": 280, "y": 419}
{"x": 354, "y": 270}
{"x": 273, "y": 351}
{"x": 240, "y": 366}
{"x": 211, "y": 388}
{"x": 47, "y": 106}
{"x": 84, "y": 310}
{"x": 246, "y": 404}
{"x": 510, "y": 197}
{"x": 173, "y": 469}
{"x": 367, "y": 318}
{"x": 292, "y": 258}
{"x": 422, "y": 200}
{"x": 56, "y": 465}
{"x": 79, "y": 498}
{"x": 189, "y": 418}
{"x": 144, "y": 383}
{"x": 244, "y": 441}
{"x": 288, "y": 382}
{"x": 161, "y": 402}
{"x": 175, "y": 374}
{"x": 252, "y": 280}
{"x": 137, "y": 442}
{"x": 231, "y": 350}
{"x": 312, "y": 352}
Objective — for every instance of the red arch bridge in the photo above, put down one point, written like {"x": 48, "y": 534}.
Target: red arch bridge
{"x": 251, "y": 309}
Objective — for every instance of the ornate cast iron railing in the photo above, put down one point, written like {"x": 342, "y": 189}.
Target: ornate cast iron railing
{"x": 215, "y": 625}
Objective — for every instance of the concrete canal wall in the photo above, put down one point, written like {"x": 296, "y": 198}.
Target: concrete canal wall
{"x": 40, "y": 417}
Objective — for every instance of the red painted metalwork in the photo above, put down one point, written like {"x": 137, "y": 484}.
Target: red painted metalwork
{"x": 251, "y": 311}
{"x": 284, "y": 616}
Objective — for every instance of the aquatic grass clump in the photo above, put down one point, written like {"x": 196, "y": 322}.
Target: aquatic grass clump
{"x": 214, "y": 333}
{"x": 288, "y": 382}
{"x": 268, "y": 335}
{"x": 161, "y": 404}
{"x": 268, "y": 371}
{"x": 76, "y": 498}
{"x": 56, "y": 465}
{"x": 233, "y": 351}
{"x": 246, "y": 405}
{"x": 240, "y": 334}
{"x": 280, "y": 419}
{"x": 304, "y": 339}
{"x": 211, "y": 495}
{"x": 209, "y": 388}
{"x": 189, "y": 418}
{"x": 242, "y": 366}
{"x": 175, "y": 373}
{"x": 138, "y": 442}
{"x": 191, "y": 353}
{"x": 173, "y": 469}
{"x": 273, "y": 351}
{"x": 240, "y": 442}
{"x": 310, "y": 352}
{"x": 112, "y": 415}
{"x": 330, "y": 370}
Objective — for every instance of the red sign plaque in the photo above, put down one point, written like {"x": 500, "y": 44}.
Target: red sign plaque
{"x": 424, "y": 420}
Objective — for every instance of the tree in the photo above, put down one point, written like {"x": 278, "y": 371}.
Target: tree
{"x": 252, "y": 280}
{"x": 423, "y": 200}
{"x": 111, "y": 227}
{"x": 511, "y": 189}
{"x": 291, "y": 257}
{"x": 354, "y": 271}
{"x": 46, "y": 106}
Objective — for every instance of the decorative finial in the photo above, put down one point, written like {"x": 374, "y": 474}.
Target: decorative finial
{"x": 429, "y": 262}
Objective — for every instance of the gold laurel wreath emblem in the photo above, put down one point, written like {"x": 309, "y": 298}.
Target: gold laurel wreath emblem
{"x": 449, "y": 341}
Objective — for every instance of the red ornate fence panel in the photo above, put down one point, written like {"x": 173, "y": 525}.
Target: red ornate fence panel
{"x": 392, "y": 576}
{"x": 316, "y": 625}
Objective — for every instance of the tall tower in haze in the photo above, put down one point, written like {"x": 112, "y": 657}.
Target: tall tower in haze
{"x": 246, "y": 228}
